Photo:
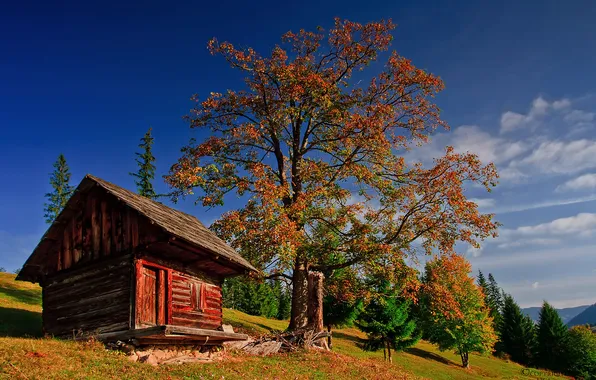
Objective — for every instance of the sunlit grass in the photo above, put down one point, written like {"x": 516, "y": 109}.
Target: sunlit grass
{"x": 43, "y": 358}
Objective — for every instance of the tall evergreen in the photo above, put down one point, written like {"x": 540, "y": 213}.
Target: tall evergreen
{"x": 60, "y": 181}
{"x": 494, "y": 300}
{"x": 285, "y": 303}
{"x": 494, "y": 291}
{"x": 146, "y": 173}
{"x": 388, "y": 323}
{"x": 517, "y": 333}
{"x": 551, "y": 338}
{"x": 252, "y": 297}
{"x": 481, "y": 280}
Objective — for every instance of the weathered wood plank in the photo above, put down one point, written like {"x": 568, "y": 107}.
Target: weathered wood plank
{"x": 129, "y": 334}
{"x": 87, "y": 232}
{"x": 116, "y": 229}
{"x": 174, "y": 329}
{"x": 126, "y": 228}
{"x": 106, "y": 237}
{"x": 134, "y": 229}
{"x": 77, "y": 237}
{"x": 118, "y": 295}
{"x": 67, "y": 248}
{"x": 92, "y": 269}
{"x": 161, "y": 298}
{"x": 96, "y": 228}
{"x": 170, "y": 297}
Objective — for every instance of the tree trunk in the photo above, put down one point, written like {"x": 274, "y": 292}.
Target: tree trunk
{"x": 329, "y": 338}
{"x": 465, "y": 360}
{"x": 384, "y": 352}
{"x": 315, "y": 301}
{"x": 299, "y": 314}
{"x": 389, "y": 352}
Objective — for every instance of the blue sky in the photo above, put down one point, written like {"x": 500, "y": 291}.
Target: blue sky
{"x": 88, "y": 79}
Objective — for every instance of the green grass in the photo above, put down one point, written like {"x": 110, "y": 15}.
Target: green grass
{"x": 25, "y": 355}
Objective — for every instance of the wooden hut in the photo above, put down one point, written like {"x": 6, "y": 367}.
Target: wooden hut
{"x": 120, "y": 266}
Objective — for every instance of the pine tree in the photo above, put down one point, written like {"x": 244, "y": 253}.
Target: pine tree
{"x": 251, "y": 297}
{"x": 481, "y": 280}
{"x": 146, "y": 172}
{"x": 285, "y": 304}
{"x": 517, "y": 332}
{"x": 551, "y": 338}
{"x": 60, "y": 181}
{"x": 494, "y": 300}
{"x": 339, "y": 312}
{"x": 387, "y": 322}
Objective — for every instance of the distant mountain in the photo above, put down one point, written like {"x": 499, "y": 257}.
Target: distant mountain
{"x": 586, "y": 316}
{"x": 566, "y": 314}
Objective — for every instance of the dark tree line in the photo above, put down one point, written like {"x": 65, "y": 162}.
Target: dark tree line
{"x": 549, "y": 344}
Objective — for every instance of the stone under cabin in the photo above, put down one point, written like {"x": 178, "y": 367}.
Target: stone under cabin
{"x": 119, "y": 266}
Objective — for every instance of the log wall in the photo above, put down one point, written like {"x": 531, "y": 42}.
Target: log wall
{"x": 92, "y": 299}
{"x": 195, "y": 303}
{"x": 193, "y": 299}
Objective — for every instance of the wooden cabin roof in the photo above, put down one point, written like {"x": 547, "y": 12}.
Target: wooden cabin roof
{"x": 180, "y": 225}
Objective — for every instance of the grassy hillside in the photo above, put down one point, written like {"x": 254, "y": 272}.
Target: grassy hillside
{"x": 24, "y": 355}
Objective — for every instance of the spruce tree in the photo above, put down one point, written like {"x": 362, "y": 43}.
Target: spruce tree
{"x": 481, "y": 280}
{"x": 551, "y": 338}
{"x": 285, "y": 304}
{"x": 387, "y": 322}
{"x": 60, "y": 181}
{"x": 517, "y": 333}
{"x": 494, "y": 300}
{"x": 146, "y": 173}
{"x": 251, "y": 297}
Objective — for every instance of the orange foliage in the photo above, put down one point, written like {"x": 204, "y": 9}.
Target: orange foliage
{"x": 304, "y": 140}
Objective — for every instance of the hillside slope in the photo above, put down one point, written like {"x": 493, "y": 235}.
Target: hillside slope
{"x": 24, "y": 355}
{"x": 586, "y": 316}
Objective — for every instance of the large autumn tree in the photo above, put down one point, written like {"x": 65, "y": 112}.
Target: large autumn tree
{"x": 311, "y": 140}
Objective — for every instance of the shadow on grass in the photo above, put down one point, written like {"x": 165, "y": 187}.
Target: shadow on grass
{"x": 28, "y": 296}
{"x": 19, "y": 322}
{"x": 428, "y": 355}
{"x": 344, "y": 336}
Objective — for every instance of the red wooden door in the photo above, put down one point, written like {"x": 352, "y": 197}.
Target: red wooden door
{"x": 151, "y": 296}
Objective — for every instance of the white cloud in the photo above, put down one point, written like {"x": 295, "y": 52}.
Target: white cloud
{"x": 549, "y": 203}
{"x": 581, "y": 224}
{"x": 535, "y": 285}
{"x": 511, "y": 121}
{"x": 560, "y": 157}
{"x": 492, "y": 261}
{"x": 525, "y": 242}
{"x": 586, "y": 181}
{"x": 471, "y": 138}
{"x": 474, "y": 252}
{"x": 565, "y": 291}
{"x": 578, "y": 116}
{"x": 483, "y": 203}
{"x": 561, "y": 104}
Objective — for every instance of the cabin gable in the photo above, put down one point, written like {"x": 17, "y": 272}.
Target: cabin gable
{"x": 114, "y": 263}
